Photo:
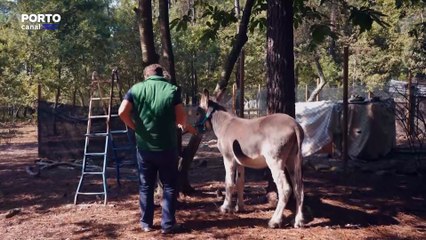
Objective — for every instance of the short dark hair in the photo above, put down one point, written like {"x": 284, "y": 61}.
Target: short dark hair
{"x": 153, "y": 69}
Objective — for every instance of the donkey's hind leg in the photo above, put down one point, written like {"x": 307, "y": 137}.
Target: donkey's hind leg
{"x": 240, "y": 189}
{"x": 284, "y": 191}
{"x": 294, "y": 167}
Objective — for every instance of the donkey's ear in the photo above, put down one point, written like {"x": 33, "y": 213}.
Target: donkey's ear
{"x": 219, "y": 95}
{"x": 204, "y": 101}
{"x": 206, "y": 93}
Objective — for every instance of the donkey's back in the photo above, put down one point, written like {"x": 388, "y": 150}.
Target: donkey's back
{"x": 250, "y": 140}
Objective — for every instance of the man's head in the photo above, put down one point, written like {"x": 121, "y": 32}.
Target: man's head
{"x": 153, "y": 69}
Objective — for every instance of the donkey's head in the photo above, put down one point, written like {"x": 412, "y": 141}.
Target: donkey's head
{"x": 206, "y": 110}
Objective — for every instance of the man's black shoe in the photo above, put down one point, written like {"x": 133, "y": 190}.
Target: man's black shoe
{"x": 177, "y": 228}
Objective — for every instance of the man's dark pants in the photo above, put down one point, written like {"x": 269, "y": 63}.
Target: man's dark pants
{"x": 166, "y": 164}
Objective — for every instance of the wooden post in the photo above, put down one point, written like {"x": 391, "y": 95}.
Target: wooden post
{"x": 345, "y": 107}
{"x": 318, "y": 95}
{"x": 257, "y": 100}
{"x": 38, "y": 118}
{"x": 234, "y": 92}
{"x": 39, "y": 92}
{"x": 306, "y": 92}
{"x": 241, "y": 73}
{"x": 411, "y": 105}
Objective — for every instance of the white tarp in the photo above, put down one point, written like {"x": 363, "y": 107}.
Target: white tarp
{"x": 371, "y": 127}
{"x": 318, "y": 120}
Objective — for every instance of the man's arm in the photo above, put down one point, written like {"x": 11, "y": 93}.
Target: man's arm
{"x": 125, "y": 113}
{"x": 181, "y": 119}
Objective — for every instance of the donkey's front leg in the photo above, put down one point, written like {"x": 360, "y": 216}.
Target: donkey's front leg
{"x": 230, "y": 167}
{"x": 240, "y": 189}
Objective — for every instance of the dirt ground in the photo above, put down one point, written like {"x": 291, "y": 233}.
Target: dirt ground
{"x": 353, "y": 205}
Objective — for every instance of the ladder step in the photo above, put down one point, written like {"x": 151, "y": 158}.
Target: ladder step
{"x": 130, "y": 178}
{"x": 96, "y": 154}
{"x": 91, "y": 193}
{"x": 96, "y": 134}
{"x": 119, "y": 131}
{"x": 102, "y": 116}
{"x": 93, "y": 173}
{"x": 126, "y": 164}
{"x": 103, "y": 98}
{"x": 101, "y": 81}
{"x": 121, "y": 148}
{"x": 125, "y": 161}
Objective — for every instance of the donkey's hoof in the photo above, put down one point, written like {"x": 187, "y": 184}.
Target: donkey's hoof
{"x": 225, "y": 209}
{"x": 298, "y": 221}
{"x": 274, "y": 224}
{"x": 298, "y": 224}
{"x": 239, "y": 208}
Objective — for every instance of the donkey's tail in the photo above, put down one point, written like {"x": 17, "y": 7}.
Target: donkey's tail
{"x": 245, "y": 160}
{"x": 298, "y": 178}
{"x": 298, "y": 165}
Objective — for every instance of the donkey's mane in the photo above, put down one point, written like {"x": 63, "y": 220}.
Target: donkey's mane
{"x": 216, "y": 106}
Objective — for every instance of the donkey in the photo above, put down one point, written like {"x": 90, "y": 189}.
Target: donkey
{"x": 272, "y": 141}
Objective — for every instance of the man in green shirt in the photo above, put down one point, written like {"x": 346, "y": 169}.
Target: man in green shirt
{"x": 153, "y": 108}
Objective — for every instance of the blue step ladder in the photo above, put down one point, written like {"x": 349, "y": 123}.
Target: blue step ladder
{"x": 95, "y": 161}
{"x": 126, "y": 145}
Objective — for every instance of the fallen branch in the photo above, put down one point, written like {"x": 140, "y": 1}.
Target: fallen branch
{"x": 12, "y": 213}
{"x": 35, "y": 171}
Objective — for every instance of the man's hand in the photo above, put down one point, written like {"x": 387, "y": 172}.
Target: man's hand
{"x": 191, "y": 130}
{"x": 125, "y": 113}
{"x": 187, "y": 128}
{"x": 181, "y": 120}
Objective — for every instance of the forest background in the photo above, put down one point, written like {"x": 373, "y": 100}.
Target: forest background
{"x": 386, "y": 39}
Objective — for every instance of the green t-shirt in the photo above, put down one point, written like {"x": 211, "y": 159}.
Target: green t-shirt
{"x": 154, "y": 102}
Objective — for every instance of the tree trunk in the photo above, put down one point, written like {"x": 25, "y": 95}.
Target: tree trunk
{"x": 144, "y": 16}
{"x": 322, "y": 82}
{"x": 184, "y": 165}
{"x": 280, "y": 58}
{"x": 81, "y": 97}
{"x": 239, "y": 42}
{"x": 194, "y": 78}
{"x": 16, "y": 112}
{"x": 55, "y": 106}
{"x": 74, "y": 96}
{"x": 193, "y": 12}
{"x": 240, "y": 71}
{"x": 241, "y": 85}
{"x": 281, "y": 95}
{"x": 166, "y": 41}
{"x": 333, "y": 22}
{"x": 194, "y": 82}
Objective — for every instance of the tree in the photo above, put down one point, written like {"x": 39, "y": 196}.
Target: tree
{"x": 239, "y": 42}
{"x": 166, "y": 40}
{"x": 127, "y": 54}
{"x": 144, "y": 16}
{"x": 281, "y": 95}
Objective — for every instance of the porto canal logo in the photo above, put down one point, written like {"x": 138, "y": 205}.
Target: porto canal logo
{"x": 40, "y": 21}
